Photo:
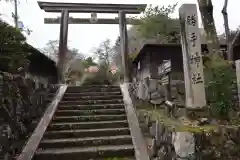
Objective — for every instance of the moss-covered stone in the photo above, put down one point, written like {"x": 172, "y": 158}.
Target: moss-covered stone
{"x": 210, "y": 141}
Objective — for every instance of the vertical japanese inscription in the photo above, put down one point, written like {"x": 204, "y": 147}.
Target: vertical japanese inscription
{"x": 193, "y": 38}
{"x": 194, "y": 56}
{"x": 192, "y": 20}
{"x": 193, "y": 67}
{"x": 195, "y": 59}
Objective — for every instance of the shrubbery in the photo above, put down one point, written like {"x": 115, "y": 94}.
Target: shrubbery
{"x": 220, "y": 83}
{"x": 102, "y": 77}
{"x": 13, "y": 48}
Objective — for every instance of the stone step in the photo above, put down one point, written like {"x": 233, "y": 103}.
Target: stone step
{"x": 91, "y": 94}
{"x": 84, "y": 153}
{"x": 90, "y": 102}
{"x": 85, "y": 142}
{"x": 115, "y": 158}
{"x": 92, "y": 89}
{"x": 94, "y": 86}
{"x": 89, "y": 112}
{"x": 89, "y": 107}
{"x": 79, "y": 94}
{"x": 103, "y": 97}
{"x": 87, "y": 133}
{"x": 88, "y": 125}
{"x": 94, "y": 118}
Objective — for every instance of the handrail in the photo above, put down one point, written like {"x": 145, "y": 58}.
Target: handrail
{"x": 33, "y": 142}
{"x": 136, "y": 134}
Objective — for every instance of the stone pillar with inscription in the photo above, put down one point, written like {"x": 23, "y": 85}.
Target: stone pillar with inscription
{"x": 192, "y": 57}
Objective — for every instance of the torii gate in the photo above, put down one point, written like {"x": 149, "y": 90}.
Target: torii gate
{"x": 66, "y": 8}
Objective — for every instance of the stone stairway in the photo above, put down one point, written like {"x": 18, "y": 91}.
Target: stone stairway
{"x": 90, "y": 123}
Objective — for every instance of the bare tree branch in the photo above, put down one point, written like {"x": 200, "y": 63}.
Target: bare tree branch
{"x": 227, "y": 31}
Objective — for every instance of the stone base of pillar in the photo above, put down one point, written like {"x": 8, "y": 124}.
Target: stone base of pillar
{"x": 197, "y": 113}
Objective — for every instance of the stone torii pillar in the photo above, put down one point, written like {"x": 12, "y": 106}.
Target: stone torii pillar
{"x": 63, "y": 38}
{"x": 66, "y": 8}
{"x": 124, "y": 45}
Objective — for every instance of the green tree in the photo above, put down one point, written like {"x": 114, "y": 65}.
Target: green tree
{"x": 219, "y": 73}
{"x": 156, "y": 26}
{"x": 156, "y": 23}
{"x": 13, "y": 48}
{"x": 89, "y": 61}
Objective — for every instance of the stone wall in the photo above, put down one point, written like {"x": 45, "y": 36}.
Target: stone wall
{"x": 153, "y": 91}
{"x": 168, "y": 140}
{"x": 23, "y": 102}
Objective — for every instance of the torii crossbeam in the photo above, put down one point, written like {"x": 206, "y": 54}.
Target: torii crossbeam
{"x": 72, "y": 20}
{"x": 66, "y": 8}
{"x": 92, "y": 7}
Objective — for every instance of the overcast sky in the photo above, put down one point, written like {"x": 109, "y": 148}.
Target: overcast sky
{"x": 85, "y": 37}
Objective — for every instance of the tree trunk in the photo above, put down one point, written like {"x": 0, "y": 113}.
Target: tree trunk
{"x": 227, "y": 31}
{"x": 206, "y": 9}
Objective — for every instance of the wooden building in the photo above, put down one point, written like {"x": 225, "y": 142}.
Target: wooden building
{"x": 151, "y": 56}
{"x": 41, "y": 65}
